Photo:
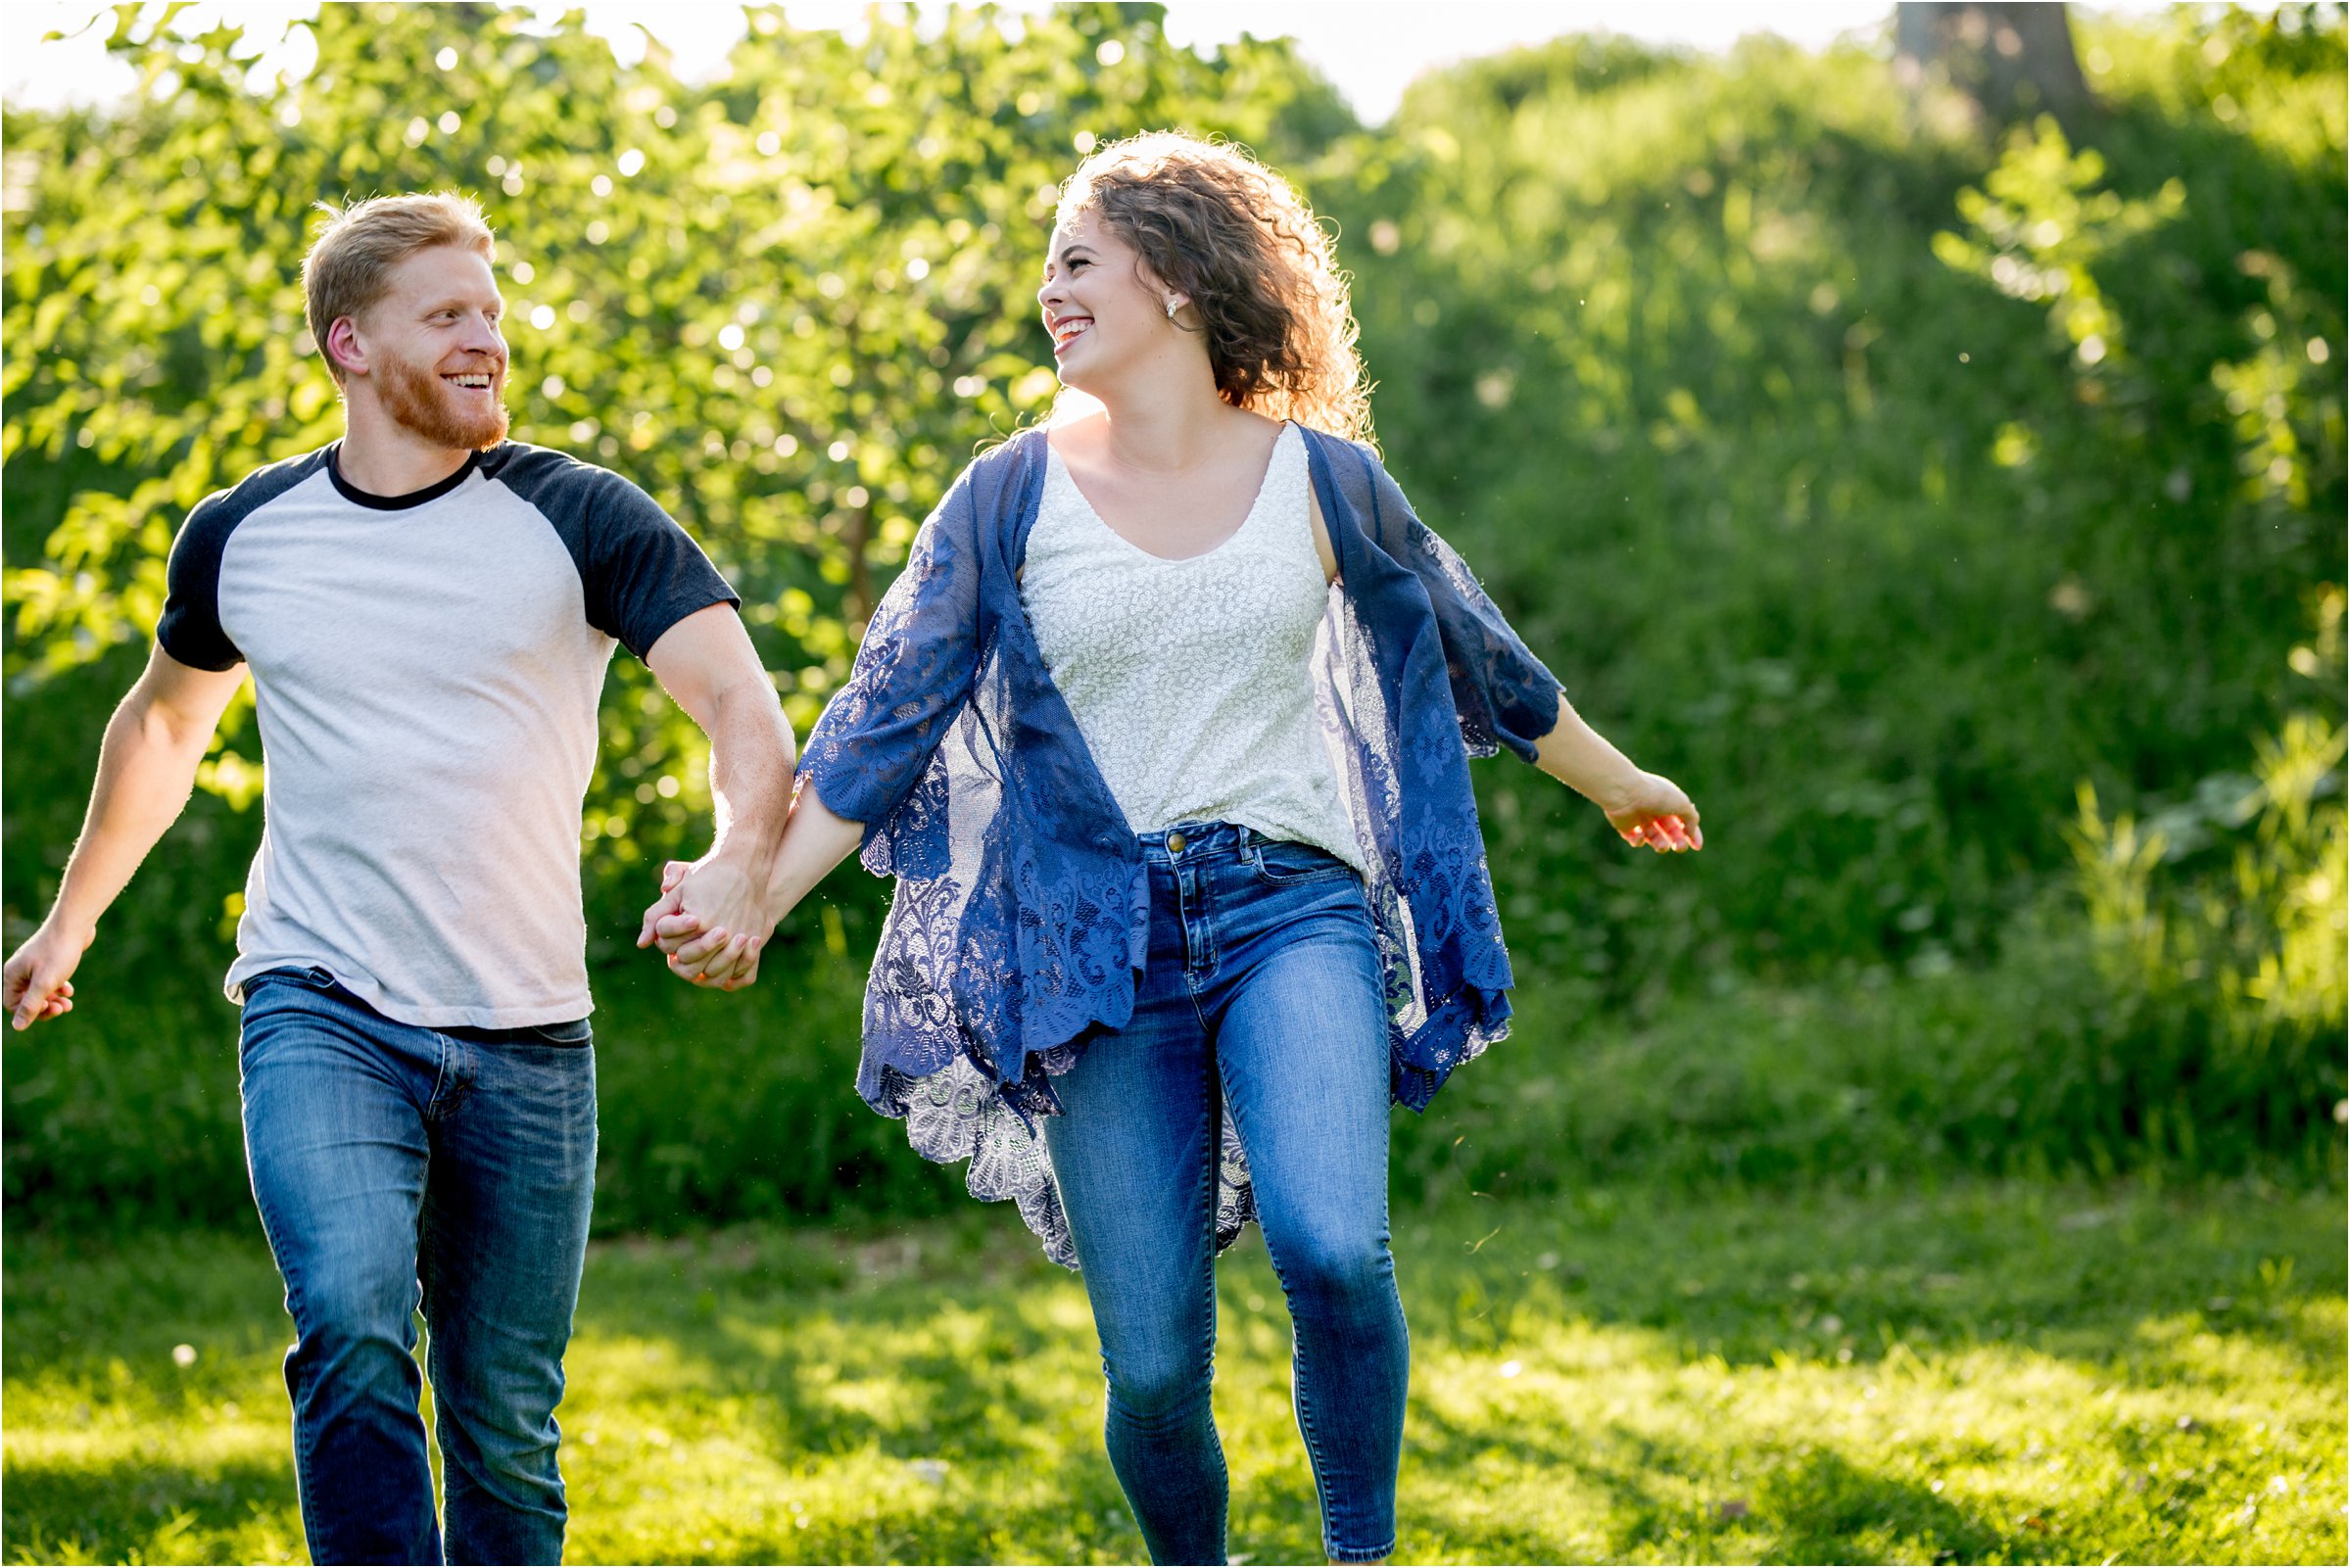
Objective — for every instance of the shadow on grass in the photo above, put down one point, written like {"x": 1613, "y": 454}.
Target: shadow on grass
{"x": 1638, "y": 1493}
{"x": 141, "y": 1509}
{"x": 1821, "y": 1505}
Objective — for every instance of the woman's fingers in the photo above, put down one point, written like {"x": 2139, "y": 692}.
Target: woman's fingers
{"x": 720, "y": 966}
{"x": 729, "y": 967}
{"x": 694, "y": 955}
{"x": 738, "y": 964}
{"x": 1664, "y": 832}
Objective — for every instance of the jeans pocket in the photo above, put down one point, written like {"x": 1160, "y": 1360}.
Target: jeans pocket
{"x": 1283, "y": 863}
{"x": 310, "y": 977}
{"x": 571, "y": 1035}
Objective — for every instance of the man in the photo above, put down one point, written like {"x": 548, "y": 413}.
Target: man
{"x": 427, "y": 610}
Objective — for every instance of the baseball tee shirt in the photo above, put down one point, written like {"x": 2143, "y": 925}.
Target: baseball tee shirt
{"x": 427, "y": 669}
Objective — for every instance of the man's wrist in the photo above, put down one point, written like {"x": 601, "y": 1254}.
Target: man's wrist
{"x": 753, "y": 866}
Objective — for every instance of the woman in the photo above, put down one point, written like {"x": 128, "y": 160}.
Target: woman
{"x": 1164, "y": 732}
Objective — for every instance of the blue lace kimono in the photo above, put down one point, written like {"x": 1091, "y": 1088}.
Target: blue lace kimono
{"x": 1021, "y": 908}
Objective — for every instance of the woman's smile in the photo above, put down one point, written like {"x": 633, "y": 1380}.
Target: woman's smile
{"x": 1065, "y": 330}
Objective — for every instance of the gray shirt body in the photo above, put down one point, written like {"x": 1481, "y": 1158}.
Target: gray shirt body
{"x": 427, "y": 670}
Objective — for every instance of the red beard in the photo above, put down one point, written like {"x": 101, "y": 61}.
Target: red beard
{"x": 421, "y": 401}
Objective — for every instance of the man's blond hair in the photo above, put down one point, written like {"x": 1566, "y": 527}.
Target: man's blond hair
{"x": 350, "y": 264}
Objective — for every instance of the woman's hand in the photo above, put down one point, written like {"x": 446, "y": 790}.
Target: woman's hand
{"x": 1651, "y": 810}
{"x": 1647, "y": 808}
{"x": 701, "y": 947}
{"x": 708, "y": 955}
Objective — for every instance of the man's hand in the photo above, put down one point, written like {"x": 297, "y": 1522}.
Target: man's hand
{"x": 814, "y": 843}
{"x": 39, "y": 980}
{"x": 146, "y": 766}
{"x": 710, "y": 921}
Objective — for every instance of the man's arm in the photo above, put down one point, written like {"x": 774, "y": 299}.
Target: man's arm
{"x": 146, "y": 768}
{"x": 707, "y": 664}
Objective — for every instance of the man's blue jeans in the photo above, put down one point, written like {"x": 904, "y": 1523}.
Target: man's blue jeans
{"x": 397, "y": 1166}
{"x": 1263, "y": 994}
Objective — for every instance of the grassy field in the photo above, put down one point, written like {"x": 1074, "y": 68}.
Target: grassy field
{"x": 1975, "y": 1372}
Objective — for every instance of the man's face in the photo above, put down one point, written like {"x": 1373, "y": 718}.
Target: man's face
{"x": 435, "y": 355}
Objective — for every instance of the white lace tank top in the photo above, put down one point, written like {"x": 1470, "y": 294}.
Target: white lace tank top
{"x": 1192, "y": 681}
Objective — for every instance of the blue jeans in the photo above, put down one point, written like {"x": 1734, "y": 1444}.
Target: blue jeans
{"x": 1263, "y": 994}
{"x": 397, "y": 1166}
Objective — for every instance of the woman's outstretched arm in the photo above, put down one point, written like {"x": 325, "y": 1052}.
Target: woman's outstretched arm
{"x": 1645, "y": 808}
{"x": 1505, "y": 695}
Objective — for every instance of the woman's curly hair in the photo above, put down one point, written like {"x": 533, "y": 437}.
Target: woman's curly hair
{"x": 1220, "y": 226}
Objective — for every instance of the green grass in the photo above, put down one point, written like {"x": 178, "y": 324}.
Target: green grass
{"x": 1980, "y": 1372}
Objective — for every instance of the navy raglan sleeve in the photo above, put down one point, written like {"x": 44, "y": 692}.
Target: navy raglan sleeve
{"x": 642, "y": 572}
{"x": 190, "y": 630}
{"x": 639, "y": 571}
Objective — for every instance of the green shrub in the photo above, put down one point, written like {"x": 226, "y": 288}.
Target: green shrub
{"x": 1882, "y": 486}
{"x": 1760, "y": 409}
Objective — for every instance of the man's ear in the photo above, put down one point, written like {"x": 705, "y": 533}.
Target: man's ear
{"x": 344, "y": 349}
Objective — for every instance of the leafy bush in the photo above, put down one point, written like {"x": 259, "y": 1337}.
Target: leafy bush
{"x": 1881, "y": 484}
{"x": 1774, "y": 421}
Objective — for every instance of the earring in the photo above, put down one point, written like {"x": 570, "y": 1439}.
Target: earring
{"x": 1173, "y": 305}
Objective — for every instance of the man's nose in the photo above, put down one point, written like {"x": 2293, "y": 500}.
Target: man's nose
{"x": 481, "y": 337}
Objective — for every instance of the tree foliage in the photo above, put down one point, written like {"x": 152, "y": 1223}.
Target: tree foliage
{"x": 1882, "y": 482}
{"x": 788, "y": 305}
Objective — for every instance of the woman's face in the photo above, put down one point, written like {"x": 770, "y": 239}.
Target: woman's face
{"x": 1101, "y": 305}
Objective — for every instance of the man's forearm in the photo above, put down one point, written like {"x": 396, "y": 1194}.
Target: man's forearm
{"x": 751, "y": 758}
{"x": 146, "y": 771}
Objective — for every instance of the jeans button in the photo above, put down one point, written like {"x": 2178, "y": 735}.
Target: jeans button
{"x": 1174, "y": 844}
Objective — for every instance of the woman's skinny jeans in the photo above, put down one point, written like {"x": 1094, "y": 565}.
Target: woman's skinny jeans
{"x": 1263, "y": 995}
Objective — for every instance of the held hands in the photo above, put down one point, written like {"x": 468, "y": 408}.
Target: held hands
{"x": 710, "y": 923}
{"x": 1653, "y": 811}
{"x": 39, "y": 980}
